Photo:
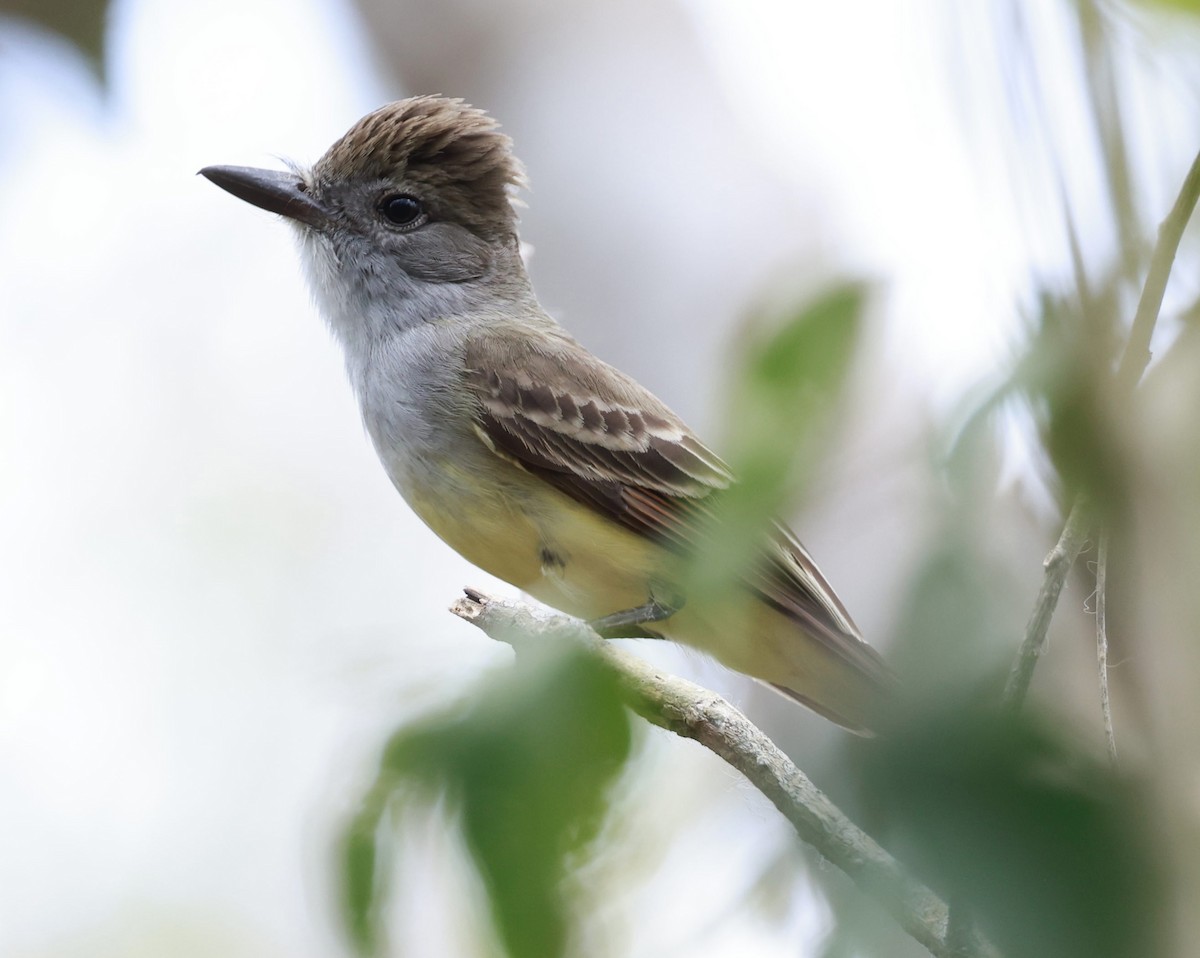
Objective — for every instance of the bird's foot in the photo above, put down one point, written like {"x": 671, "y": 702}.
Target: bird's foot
{"x": 632, "y": 623}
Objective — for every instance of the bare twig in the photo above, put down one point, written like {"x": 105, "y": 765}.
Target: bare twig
{"x": 1058, "y": 563}
{"x": 1102, "y": 643}
{"x": 694, "y": 712}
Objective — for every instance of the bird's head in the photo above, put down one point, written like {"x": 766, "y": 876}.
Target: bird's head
{"x": 414, "y": 198}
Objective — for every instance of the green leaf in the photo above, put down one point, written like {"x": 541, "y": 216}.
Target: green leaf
{"x": 959, "y": 616}
{"x": 82, "y": 22}
{"x": 1068, "y": 379}
{"x": 527, "y": 767}
{"x": 1048, "y": 849}
{"x": 791, "y": 377}
{"x": 362, "y": 889}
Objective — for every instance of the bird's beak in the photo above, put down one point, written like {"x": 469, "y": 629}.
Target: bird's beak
{"x": 282, "y": 193}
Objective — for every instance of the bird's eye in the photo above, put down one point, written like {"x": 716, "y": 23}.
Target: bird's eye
{"x": 403, "y": 211}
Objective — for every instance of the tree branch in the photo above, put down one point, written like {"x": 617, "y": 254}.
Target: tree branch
{"x": 694, "y": 712}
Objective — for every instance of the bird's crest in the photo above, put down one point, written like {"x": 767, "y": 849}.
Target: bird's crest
{"x": 441, "y": 146}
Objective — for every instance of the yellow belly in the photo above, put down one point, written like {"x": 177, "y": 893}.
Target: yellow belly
{"x": 529, "y": 534}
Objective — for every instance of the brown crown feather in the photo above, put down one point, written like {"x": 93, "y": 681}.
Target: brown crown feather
{"x": 451, "y": 152}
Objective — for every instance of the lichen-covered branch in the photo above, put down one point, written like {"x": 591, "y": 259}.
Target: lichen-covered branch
{"x": 694, "y": 712}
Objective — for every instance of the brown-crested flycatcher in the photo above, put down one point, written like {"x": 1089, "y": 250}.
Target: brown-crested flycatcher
{"x": 524, "y": 452}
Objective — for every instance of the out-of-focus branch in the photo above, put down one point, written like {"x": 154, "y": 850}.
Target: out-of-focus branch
{"x": 1170, "y": 232}
{"x": 694, "y": 712}
{"x": 1133, "y": 363}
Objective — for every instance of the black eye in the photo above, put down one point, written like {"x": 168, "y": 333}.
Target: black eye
{"x": 402, "y": 210}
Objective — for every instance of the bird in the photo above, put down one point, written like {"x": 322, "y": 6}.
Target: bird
{"x": 525, "y": 453}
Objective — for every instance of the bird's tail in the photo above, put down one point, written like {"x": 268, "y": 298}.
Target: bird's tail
{"x": 845, "y": 681}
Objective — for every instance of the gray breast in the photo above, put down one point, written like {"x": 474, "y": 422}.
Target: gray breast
{"x": 413, "y": 402}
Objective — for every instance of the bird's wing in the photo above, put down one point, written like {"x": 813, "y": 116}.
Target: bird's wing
{"x": 604, "y": 440}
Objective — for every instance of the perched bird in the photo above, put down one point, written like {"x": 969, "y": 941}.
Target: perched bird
{"x": 532, "y": 458}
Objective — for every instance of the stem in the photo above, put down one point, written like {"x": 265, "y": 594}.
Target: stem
{"x": 1137, "y": 350}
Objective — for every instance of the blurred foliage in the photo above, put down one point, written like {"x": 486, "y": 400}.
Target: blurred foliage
{"x": 526, "y": 766}
{"x": 1186, "y": 6}
{"x": 1067, "y": 378}
{"x": 789, "y": 379}
{"x": 1015, "y": 819}
{"x": 1049, "y": 850}
{"x": 82, "y": 22}
{"x": 958, "y": 612}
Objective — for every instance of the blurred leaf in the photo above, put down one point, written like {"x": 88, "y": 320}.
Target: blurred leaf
{"x": 363, "y": 880}
{"x": 861, "y": 928}
{"x": 957, "y": 616}
{"x": 962, "y": 612}
{"x": 527, "y": 767}
{"x": 81, "y": 22}
{"x": 784, "y": 396}
{"x": 1185, "y": 6}
{"x": 789, "y": 381}
{"x": 1068, "y": 378}
{"x": 1046, "y": 847}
